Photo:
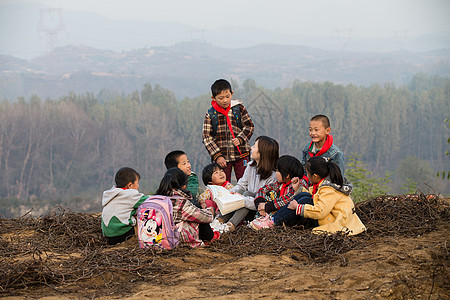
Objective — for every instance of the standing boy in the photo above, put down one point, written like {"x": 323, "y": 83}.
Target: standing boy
{"x": 227, "y": 129}
{"x": 119, "y": 206}
{"x": 322, "y": 143}
{"x": 178, "y": 159}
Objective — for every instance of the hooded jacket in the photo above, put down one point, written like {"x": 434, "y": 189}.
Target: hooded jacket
{"x": 333, "y": 208}
{"x": 119, "y": 210}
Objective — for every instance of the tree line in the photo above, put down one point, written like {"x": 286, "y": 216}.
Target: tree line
{"x": 67, "y": 150}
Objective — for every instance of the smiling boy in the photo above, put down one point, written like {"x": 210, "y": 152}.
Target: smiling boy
{"x": 322, "y": 143}
{"x": 227, "y": 129}
{"x": 179, "y": 159}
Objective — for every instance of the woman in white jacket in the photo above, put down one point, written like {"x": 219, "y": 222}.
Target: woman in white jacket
{"x": 259, "y": 172}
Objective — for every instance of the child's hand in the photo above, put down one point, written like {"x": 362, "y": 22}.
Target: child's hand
{"x": 221, "y": 162}
{"x": 262, "y": 209}
{"x": 203, "y": 204}
{"x": 295, "y": 183}
{"x": 211, "y": 209}
{"x": 236, "y": 141}
{"x": 293, "y": 205}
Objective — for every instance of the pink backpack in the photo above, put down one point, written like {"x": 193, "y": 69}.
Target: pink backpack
{"x": 155, "y": 224}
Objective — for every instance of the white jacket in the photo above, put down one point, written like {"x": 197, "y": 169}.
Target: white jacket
{"x": 251, "y": 182}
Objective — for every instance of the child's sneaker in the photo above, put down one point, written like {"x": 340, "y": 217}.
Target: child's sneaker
{"x": 229, "y": 227}
{"x": 216, "y": 225}
{"x": 216, "y": 236}
{"x": 262, "y": 222}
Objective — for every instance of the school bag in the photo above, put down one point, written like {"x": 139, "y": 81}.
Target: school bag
{"x": 236, "y": 110}
{"x": 155, "y": 224}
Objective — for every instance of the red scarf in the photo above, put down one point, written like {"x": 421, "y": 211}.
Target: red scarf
{"x": 284, "y": 187}
{"x": 225, "y": 183}
{"x": 316, "y": 187}
{"x": 325, "y": 147}
{"x": 223, "y": 111}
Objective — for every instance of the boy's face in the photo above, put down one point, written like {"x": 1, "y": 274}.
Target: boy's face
{"x": 318, "y": 132}
{"x": 218, "y": 177}
{"x": 223, "y": 98}
{"x": 184, "y": 164}
{"x": 134, "y": 185}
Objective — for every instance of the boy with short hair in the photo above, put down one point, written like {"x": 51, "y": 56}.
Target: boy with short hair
{"x": 119, "y": 206}
{"x": 227, "y": 129}
{"x": 322, "y": 143}
{"x": 179, "y": 159}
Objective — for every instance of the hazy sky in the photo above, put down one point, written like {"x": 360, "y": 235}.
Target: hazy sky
{"x": 368, "y": 18}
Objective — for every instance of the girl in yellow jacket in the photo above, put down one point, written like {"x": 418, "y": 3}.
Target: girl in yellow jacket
{"x": 333, "y": 208}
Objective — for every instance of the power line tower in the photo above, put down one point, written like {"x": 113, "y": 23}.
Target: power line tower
{"x": 344, "y": 36}
{"x": 400, "y": 38}
{"x": 197, "y": 35}
{"x": 266, "y": 115}
{"x": 51, "y": 23}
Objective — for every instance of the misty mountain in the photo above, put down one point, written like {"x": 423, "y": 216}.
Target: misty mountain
{"x": 27, "y": 31}
{"x": 189, "y": 68}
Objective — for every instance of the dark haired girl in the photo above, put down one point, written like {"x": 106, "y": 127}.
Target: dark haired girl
{"x": 192, "y": 222}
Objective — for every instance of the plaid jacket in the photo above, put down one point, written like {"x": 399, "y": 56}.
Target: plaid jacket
{"x": 220, "y": 144}
{"x": 271, "y": 195}
{"x": 187, "y": 218}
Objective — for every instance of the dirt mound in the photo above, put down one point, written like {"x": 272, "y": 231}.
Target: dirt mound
{"x": 403, "y": 254}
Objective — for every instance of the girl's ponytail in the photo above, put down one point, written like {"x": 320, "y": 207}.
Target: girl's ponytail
{"x": 165, "y": 186}
{"x": 335, "y": 173}
{"x": 323, "y": 167}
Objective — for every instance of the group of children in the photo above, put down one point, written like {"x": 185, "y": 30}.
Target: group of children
{"x": 277, "y": 189}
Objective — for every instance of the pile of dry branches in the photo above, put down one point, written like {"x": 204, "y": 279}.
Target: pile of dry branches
{"x": 66, "y": 250}
{"x": 402, "y": 215}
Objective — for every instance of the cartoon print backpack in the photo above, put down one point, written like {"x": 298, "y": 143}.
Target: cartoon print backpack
{"x": 155, "y": 224}
{"x": 236, "y": 110}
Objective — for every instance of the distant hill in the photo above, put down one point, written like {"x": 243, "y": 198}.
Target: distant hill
{"x": 189, "y": 68}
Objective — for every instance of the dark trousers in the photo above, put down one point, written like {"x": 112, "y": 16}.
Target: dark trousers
{"x": 290, "y": 218}
{"x": 121, "y": 238}
{"x": 239, "y": 168}
{"x": 205, "y": 232}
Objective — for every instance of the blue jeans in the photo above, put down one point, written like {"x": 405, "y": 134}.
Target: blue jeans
{"x": 290, "y": 218}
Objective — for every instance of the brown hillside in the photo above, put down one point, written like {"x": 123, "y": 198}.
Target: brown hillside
{"x": 403, "y": 255}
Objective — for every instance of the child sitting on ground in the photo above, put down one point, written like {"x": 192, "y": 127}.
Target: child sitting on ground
{"x": 192, "y": 222}
{"x": 332, "y": 206}
{"x": 119, "y": 206}
{"x": 179, "y": 159}
{"x": 212, "y": 174}
{"x": 273, "y": 197}
{"x": 259, "y": 172}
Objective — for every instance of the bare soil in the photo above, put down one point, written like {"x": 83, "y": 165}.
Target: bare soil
{"x": 274, "y": 264}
